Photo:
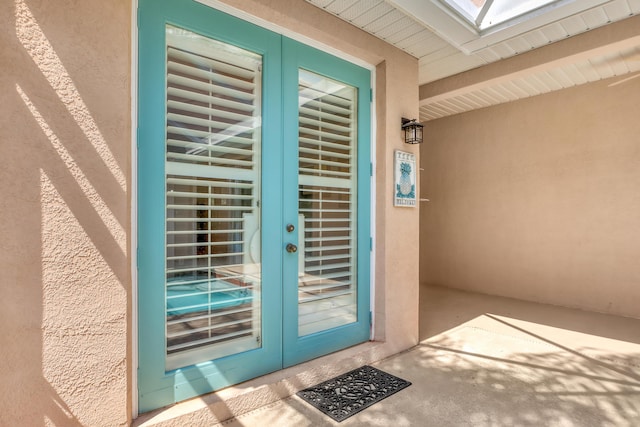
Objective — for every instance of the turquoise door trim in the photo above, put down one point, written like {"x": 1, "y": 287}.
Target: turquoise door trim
{"x": 281, "y": 346}
{"x": 296, "y": 56}
{"x": 156, "y": 386}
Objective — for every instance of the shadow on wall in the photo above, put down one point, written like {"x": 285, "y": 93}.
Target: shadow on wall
{"x": 64, "y": 215}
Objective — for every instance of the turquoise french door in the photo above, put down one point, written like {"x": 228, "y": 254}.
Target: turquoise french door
{"x": 253, "y": 202}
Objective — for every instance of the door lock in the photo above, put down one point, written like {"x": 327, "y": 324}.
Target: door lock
{"x": 291, "y": 248}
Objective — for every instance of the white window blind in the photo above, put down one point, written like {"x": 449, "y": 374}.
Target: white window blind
{"x": 212, "y": 213}
{"x": 327, "y": 185}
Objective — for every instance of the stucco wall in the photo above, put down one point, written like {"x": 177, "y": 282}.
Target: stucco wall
{"x": 538, "y": 199}
{"x": 65, "y": 212}
{"x": 65, "y": 282}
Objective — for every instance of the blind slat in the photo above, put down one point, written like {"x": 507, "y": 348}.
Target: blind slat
{"x": 223, "y": 161}
{"x": 211, "y": 148}
{"x": 244, "y": 67}
{"x": 212, "y": 340}
{"x": 325, "y": 135}
{"x": 327, "y": 248}
{"x": 207, "y": 183}
{"x": 232, "y": 80}
{"x": 328, "y": 295}
{"x": 307, "y": 93}
{"x": 216, "y": 137}
{"x": 327, "y": 266}
{"x": 193, "y": 194}
{"x": 318, "y": 152}
{"x": 346, "y": 176}
{"x": 216, "y": 255}
{"x": 191, "y": 107}
{"x": 210, "y": 88}
{"x": 325, "y": 286}
{"x": 324, "y": 163}
{"x": 324, "y": 258}
{"x": 325, "y": 126}
{"x": 321, "y": 114}
{"x": 203, "y": 171}
{"x": 188, "y": 232}
{"x": 192, "y": 220}
{"x": 317, "y": 143}
{"x": 207, "y": 316}
{"x": 208, "y": 208}
{"x": 326, "y": 239}
{"x": 243, "y": 127}
{"x": 306, "y": 280}
{"x": 213, "y": 101}
{"x": 196, "y": 244}
{"x": 207, "y": 328}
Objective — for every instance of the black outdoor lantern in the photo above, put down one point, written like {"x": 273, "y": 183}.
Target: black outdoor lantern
{"x": 412, "y": 131}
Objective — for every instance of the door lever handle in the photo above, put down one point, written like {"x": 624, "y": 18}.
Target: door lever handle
{"x": 291, "y": 248}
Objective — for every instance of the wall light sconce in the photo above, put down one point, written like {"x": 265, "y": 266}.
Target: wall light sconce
{"x": 412, "y": 131}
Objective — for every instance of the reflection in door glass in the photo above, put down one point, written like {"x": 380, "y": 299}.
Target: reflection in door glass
{"x": 327, "y": 203}
{"x": 213, "y": 278}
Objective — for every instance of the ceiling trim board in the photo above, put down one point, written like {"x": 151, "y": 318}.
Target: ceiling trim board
{"x": 434, "y": 15}
{"x": 617, "y": 36}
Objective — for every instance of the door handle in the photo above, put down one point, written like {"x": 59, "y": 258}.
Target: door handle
{"x": 291, "y": 248}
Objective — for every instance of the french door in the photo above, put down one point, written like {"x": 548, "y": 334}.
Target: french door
{"x": 253, "y": 207}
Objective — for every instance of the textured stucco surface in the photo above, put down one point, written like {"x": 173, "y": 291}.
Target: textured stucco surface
{"x": 538, "y": 199}
{"x": 65, "y": 215}
{"x": 65, "y": 138}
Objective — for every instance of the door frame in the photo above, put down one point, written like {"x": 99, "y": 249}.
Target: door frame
{"x": 136, "y": 409}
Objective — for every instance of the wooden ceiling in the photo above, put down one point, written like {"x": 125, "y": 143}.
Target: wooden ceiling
{"x": 439, "y": 59}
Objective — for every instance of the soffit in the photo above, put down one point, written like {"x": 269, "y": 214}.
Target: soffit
{"x": 439, "y": 58}
{"x": 535, "y": 82}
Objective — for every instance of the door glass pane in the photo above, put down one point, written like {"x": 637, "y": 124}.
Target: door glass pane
{"x": 327, "y": 203}
{"x": 213, "y": 272}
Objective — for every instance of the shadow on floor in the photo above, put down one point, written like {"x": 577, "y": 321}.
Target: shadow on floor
{"x": 442, "y": 309}
{"x": 490, "y": 361}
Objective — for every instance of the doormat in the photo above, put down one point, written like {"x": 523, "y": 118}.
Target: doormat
{"x": 350, "y": 393}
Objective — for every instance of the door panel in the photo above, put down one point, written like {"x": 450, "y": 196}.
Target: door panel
{"x": 326, "y": 286}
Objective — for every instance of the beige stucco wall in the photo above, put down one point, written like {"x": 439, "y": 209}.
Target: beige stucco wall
{"x": 538, "y": 199}
{"x": 65, "y": 212}
{"x": 65, "y": 281}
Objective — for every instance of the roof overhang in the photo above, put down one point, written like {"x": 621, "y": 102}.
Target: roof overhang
{"x": 601, "y": 53}
{"x": 441, "y": 19}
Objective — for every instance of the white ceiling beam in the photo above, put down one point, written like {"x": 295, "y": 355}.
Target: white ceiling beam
{"x": 600, "y": 41}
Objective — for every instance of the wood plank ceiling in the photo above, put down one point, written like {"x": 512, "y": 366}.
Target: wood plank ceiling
{"x": 438, "y": 59}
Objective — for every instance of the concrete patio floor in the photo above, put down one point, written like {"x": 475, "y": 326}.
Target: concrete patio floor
{"x": 491, "y": 361}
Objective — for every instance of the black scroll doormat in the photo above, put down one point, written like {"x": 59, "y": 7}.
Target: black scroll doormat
{"x": 350, "y": 393}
